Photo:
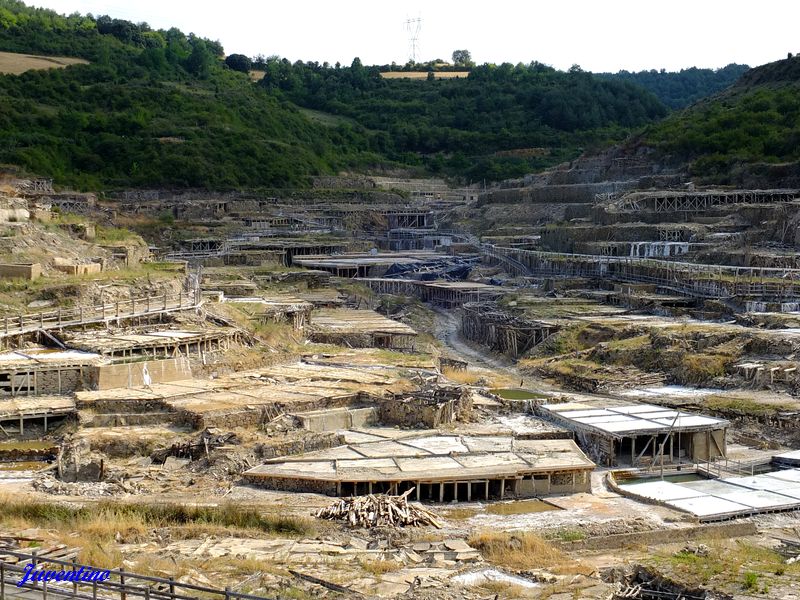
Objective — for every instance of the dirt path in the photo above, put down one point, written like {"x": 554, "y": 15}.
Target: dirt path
{"x": 446, "y": 331}
{"x": 447, "y": 325}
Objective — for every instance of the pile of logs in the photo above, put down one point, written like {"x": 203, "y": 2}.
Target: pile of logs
{"x": 379, "y": 509}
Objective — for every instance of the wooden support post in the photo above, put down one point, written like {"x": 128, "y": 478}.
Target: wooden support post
{"x": 441, "y": 492}
{"x": 469, "y": 491}
{"x": 418, "y": 491}
{"x": 502, "y": 488}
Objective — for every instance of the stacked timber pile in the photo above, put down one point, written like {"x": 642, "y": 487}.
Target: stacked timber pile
{"x": 375, "y": 510}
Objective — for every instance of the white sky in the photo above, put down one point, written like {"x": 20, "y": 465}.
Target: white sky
{"x": 599, "y": 35}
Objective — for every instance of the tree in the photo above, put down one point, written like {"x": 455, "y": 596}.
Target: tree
{"x": 200, "y": 60}
{"x": 239, "y": 62}
{"x": 462, "y": 58}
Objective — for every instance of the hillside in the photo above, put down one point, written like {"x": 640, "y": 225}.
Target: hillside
{"x": 746, "y": 135}
{"x": 154, "y": 108}
{"x": 160, "y": 108}
{"x": 501, "y": 121}
{"x": 682, "y": 88}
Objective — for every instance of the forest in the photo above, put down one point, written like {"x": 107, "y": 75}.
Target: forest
{"x": 163, "y": 108}
{"x": 681, "y": 88}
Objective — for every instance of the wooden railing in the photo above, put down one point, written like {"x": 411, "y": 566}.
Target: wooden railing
{"x": 103, "y": 313}
{"x": 120, "y": 584}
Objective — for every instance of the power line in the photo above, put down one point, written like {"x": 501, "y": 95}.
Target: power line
{"x": 413, "y": 27}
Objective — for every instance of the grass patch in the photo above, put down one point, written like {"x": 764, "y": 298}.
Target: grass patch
{"x": 523, "y": 550}
{"x": 700, "y": 368}
{"x": 502, "y": 589}
{"x": 726, "y": 565}
{"x": 744, "y": 406}
{"x": 380, "y": 566}
{"x": 570, "y": 535}
{"x": 466, "y": 377}
{"x": 15, "y": 63}
{"x": 102, "y": 521}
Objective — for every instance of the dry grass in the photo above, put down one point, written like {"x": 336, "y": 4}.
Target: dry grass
{"x": 380, "y": 566}
{"x": 12, "y": 63}
{"x": 103, "y": 521}
{"x": 464, "y": 377}
{"x": 424, "y": 74}
{"x": 502, "y": 589}
{"x": 523, "y": 550}
{"x": 482, "y": 377}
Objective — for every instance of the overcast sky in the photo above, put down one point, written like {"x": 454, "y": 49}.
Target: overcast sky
{"x": 599, "y": 35}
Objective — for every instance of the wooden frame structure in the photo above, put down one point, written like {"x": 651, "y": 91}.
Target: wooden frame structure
{"x": 691, "y": 279}
{"x": 488, "y": 324}
{"x": 702, "y": 200}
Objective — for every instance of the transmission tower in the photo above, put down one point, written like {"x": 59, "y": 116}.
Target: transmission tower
{"x": 413, "y": 26}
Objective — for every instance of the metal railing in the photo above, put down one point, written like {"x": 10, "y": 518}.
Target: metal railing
{"x": 120, "y": 584}
{"x": 84, "y": 315}
{"x": 729, "y": 466}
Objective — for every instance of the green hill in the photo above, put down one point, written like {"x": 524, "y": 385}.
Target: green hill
{"x": 152, "y": 108}
{"x": 501, "y": 121}
{"x": 751, "y": 127}
{"x": 160, "y": 108}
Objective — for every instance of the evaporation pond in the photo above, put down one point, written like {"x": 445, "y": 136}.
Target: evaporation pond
{"x": 517, "y": 394}
{"x": 682, "y": 478}
{"x": 520, "y": 507}
{"x": 24, "y": 465}
{"x": 27, "y": 445}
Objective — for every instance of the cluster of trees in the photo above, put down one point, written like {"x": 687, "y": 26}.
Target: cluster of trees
{"x": 152, "y": 108}
{"x": 682, "y": 88}
{"x": 756, "y": 121}
{"x": 458, "y": 126}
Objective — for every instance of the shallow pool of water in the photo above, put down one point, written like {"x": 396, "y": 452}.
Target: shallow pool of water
{"x": 520, "y": 507}
{"x": 682, "y": 478}
{"x": 28, "y": 445}
{"x": 517, "y": 394}
{"x": 22, "y": 465}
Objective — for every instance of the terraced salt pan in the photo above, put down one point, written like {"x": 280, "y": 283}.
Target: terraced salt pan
{"x": 495, "y": 576}
{"x": 674, "y": 391}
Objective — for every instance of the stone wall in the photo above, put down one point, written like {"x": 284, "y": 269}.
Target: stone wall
{"x": 306, "y": 442}
{"x": 288, "y": 484}
{"x": 130, "y": 375}
{"x": 426, "y": 410}
{"x": 59, "y": 381}
{"x": 28, "y": 271}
